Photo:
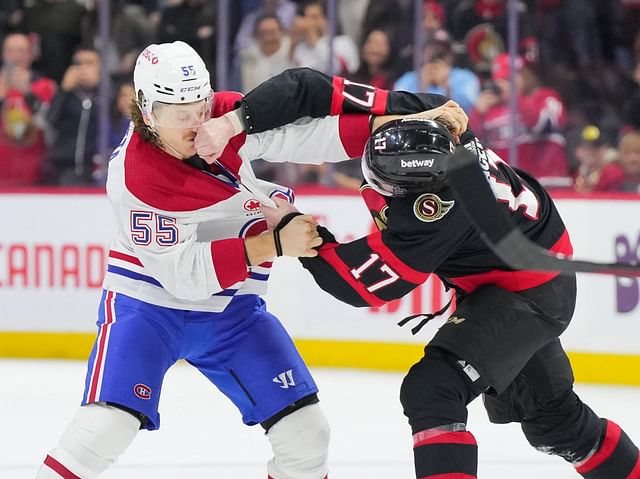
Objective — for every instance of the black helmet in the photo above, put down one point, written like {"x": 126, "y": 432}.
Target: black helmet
{"x": 407, "y": 156}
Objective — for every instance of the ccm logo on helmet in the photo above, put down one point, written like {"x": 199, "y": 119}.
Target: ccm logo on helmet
{"x": 190, "y": 88}
{"x": 142, "y": 391}
{"x": 150, "y": 56}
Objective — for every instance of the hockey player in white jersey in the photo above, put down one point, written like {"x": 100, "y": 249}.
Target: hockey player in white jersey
{"x": 185, "y": 273}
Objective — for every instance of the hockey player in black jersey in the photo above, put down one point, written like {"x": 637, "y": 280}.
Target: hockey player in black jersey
{"x": 502, "y": 339}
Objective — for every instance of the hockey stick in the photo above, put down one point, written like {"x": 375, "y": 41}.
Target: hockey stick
{"x": 465, "y": 175}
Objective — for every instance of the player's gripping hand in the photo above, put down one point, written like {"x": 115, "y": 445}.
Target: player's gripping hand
{"x": 275, "y": 215}
{"x": 450, "y": 114}
{"x": 213, "y": 135}
{"x": 299, "y": 237}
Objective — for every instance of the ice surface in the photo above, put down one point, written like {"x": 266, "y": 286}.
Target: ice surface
{"x": 202, "y": 435}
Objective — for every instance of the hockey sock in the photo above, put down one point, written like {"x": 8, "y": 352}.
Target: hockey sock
{"x": 445, "y": 454}
{"x": 615, "y": 458}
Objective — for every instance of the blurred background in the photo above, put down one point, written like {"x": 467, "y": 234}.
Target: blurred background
{"x": 552, "y": 85}
{"x": 65, "y": 79}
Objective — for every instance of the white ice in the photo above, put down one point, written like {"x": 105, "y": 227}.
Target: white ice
{"x": 202, "y": 435}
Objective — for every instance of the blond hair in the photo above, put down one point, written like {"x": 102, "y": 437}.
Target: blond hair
{"x": 147, "y": 133}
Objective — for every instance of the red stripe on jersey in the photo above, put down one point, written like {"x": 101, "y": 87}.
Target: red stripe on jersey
{"x": 450, "y": 475}
{"x": 124, "y": 257}
{"x": 167, "y": 183}
{"x": 380, "y": 102}
{"x": 229, "y": 261}
{"x": 102, "y": 348}
{"x": 406, "y": 272}
{"x": 374, "y": 200}
{"x": 59, "y": 469}
{"x": 609, "y": 444}
{"x": 354, "y": 133}
{"x": 328, "y": 253}
{"x": 514, "y": 280}
{"x": 425, "y": 438}
{"x": 336, "y": 96}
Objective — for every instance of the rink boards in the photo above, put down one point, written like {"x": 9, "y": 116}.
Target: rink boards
{"x": 53, "y": 250}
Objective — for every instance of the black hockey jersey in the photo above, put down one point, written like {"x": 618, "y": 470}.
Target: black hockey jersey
{"x": 429, "y": 233}
{"x": 420, "y": 234}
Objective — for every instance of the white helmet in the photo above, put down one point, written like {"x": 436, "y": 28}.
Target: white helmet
{"x": 170, "y": 73}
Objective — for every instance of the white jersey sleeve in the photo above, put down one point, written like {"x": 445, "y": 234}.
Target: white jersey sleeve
{"x": 310, "y": 141}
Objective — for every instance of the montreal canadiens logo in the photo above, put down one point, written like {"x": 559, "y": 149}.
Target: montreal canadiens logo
{"x": 142, "y": 391}
{"x": 430, "y": 207}
{"x": 251, "y": 205}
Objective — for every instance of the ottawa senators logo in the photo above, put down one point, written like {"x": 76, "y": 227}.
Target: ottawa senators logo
{"x": 430, "y": 207}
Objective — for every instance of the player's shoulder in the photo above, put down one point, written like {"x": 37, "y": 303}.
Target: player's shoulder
{"x": 225, "y": 101}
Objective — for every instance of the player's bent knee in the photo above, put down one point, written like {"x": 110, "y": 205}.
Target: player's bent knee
{"x": 434, "y": 393}
{"x": 92, "y": 442}
{"x": 564, "y": 427}
{"x": 300, "y": 443}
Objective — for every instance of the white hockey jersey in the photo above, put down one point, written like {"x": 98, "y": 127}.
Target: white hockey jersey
{"x": 181, "y": 230}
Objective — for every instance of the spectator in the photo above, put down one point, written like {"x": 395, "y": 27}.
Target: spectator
{"x": 574, "y": 24}
{"x": 538, "y": 129}
{"x": 395, "y": 17}
{"x": 266, "y": 56}
{"x": 310, "y": 42}
{"x": 593, "y": 154}
{"x": 375, "y": 62}
{"x": 351, "y": 15}
{"x": 121, "y": 113}
{"x": 438, "y": 75}
{"x": 58, "y": 24}
{"x": 131, "y": 31}
{"x": 624, "y": 174}
{"x": 24, "y": 98}
{"x": 10, "y": 16}
{"x": 284, "y": 9}
{"x": 631, "y": 108}
{"x": 72, "y": 121}
{"x": 433, "y": 19}
{"x": 193, "y": 22}
{"x": 471, "y": 13}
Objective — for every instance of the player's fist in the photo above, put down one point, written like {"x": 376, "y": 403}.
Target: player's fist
{"x": 300, "y": 236}
{"x": 212, "y": 138}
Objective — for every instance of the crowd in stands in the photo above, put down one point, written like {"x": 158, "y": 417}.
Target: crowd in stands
{"x": 577, "y": 76}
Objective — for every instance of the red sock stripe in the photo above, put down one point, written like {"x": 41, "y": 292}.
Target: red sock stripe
{"x": 450, "y": 475}
{"x": 58, "y": 468}
{"x": 609, "y": 444}
{"x": 424, "y": 438}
